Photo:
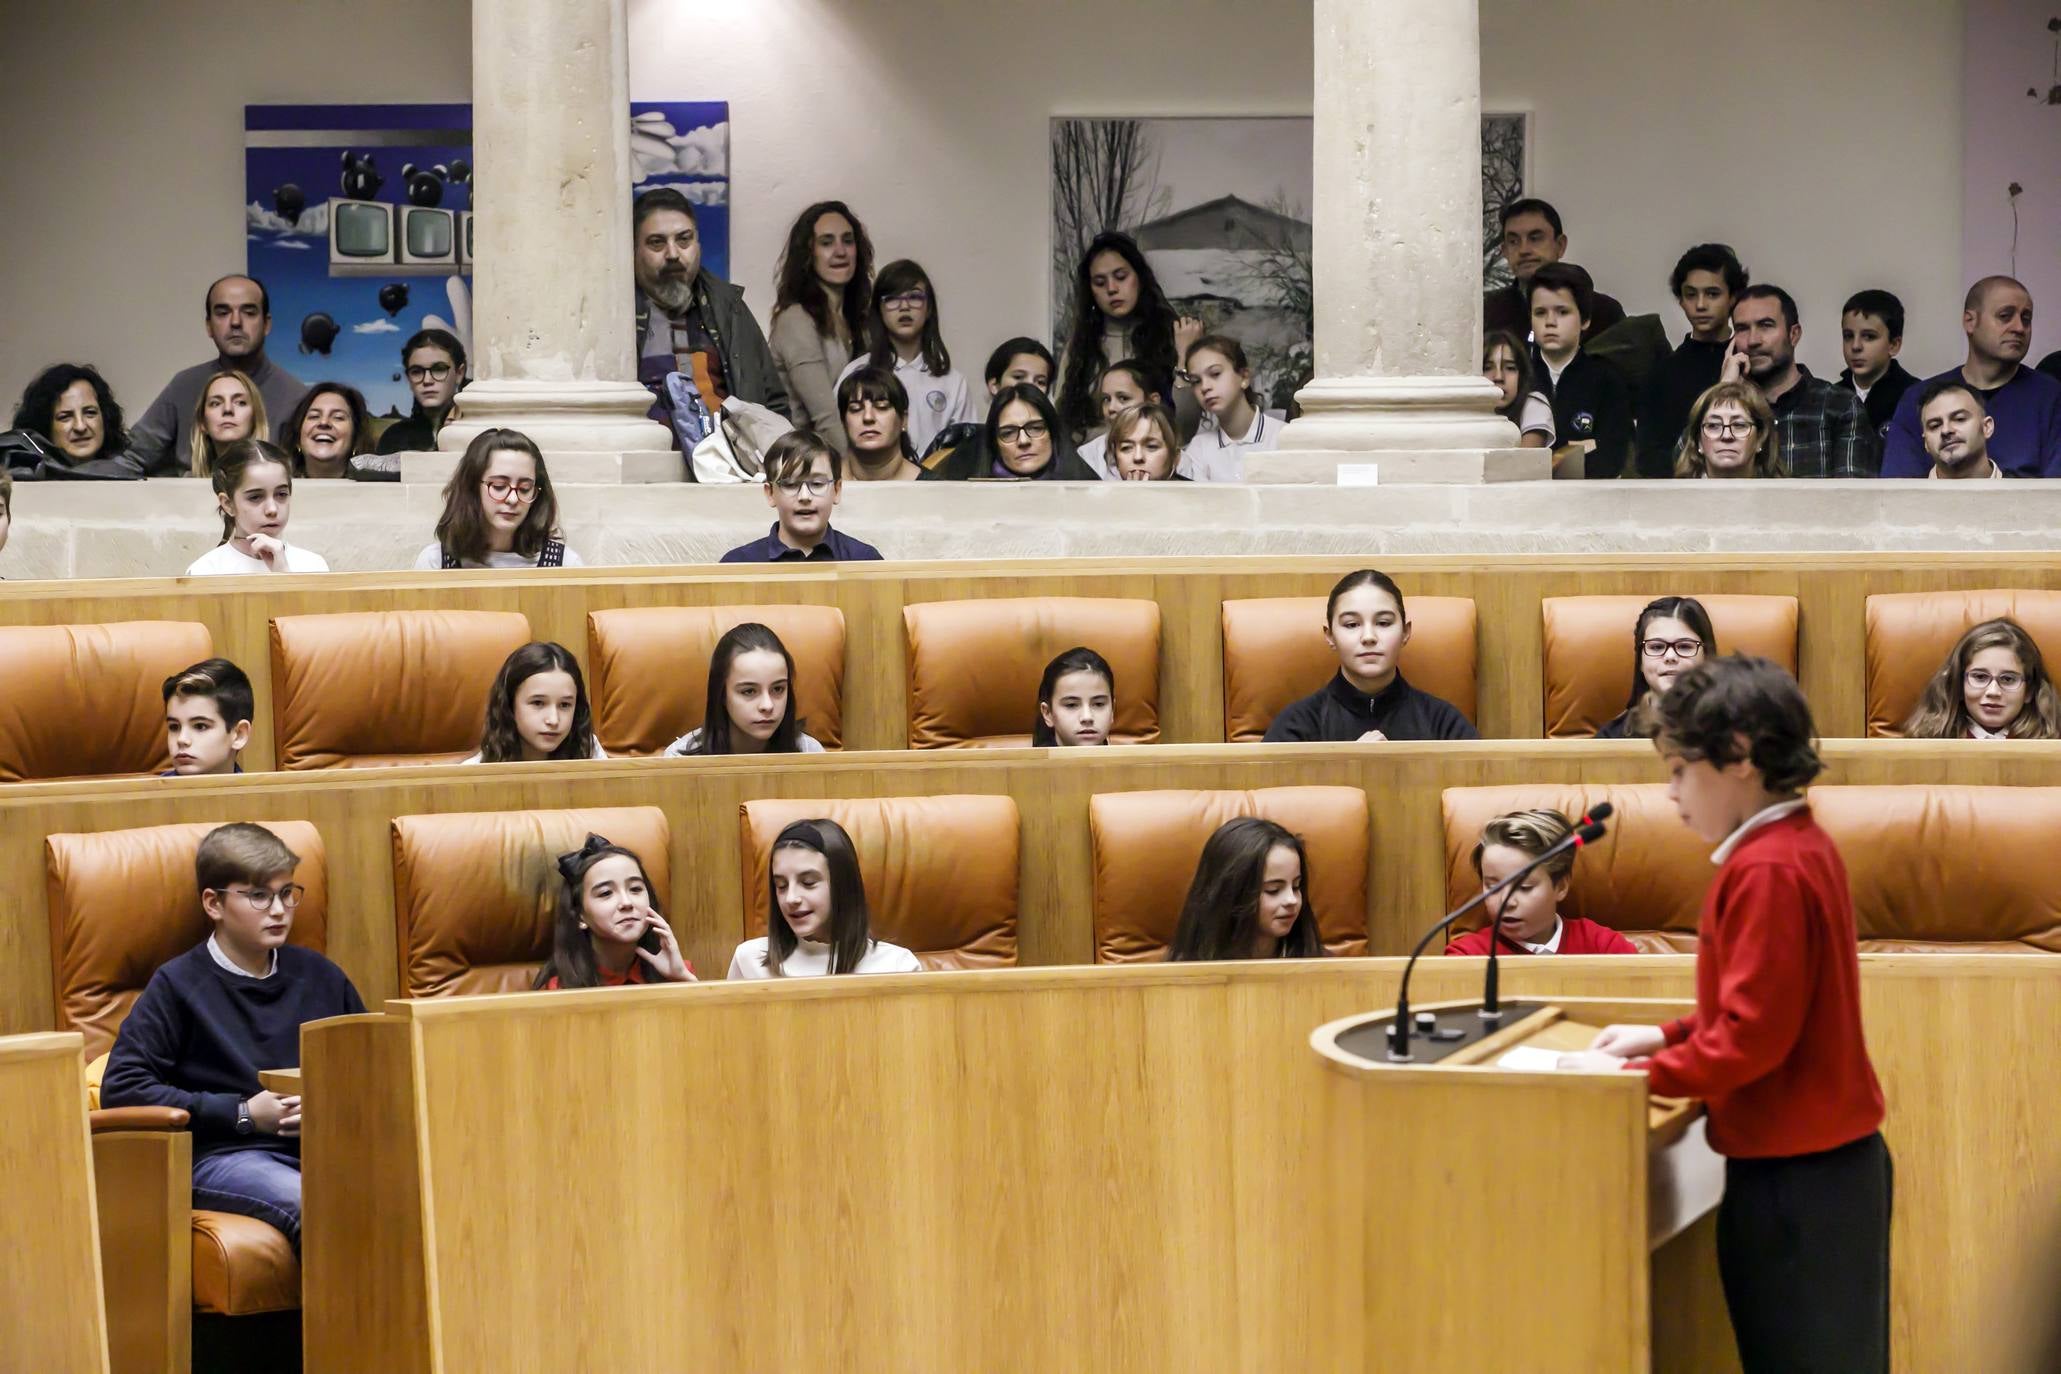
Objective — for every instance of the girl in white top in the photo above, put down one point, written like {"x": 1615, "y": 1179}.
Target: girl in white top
{"x": 499, "y": 510}
{"x": 253, "y": 483}
{"x": 903, "y": 337}
{"x": 816, "y": 917}
{"x": 1222, "y": 380}
{"x": 750, "y": 708}
{"x": 819, "y": 312}
{"x": 1122, "y": 387}
{"x": 538, "y": 710}
{"x": 1507, "y": 362}
{"x": 1994, "y": 685}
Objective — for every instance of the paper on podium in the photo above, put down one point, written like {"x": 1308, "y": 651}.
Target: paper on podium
{"x": 1530, "y": 1059}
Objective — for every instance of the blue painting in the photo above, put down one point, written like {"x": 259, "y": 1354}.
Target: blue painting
{"x": 358, "y": 219}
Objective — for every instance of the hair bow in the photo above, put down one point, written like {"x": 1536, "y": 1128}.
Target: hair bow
{"x": 569, "y": 865}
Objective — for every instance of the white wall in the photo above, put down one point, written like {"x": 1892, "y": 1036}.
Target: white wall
{"x": 2011, "y": 137}
{"x": 1820, "y": 137}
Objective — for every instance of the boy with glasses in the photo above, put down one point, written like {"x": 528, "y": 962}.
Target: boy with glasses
{"x": 212, "y": 1018}
{"x": 804, "y": 481}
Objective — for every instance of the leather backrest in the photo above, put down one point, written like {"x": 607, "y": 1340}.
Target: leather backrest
{"x": 650, "y": 678}
{"x": 82, "y": 701}
{"x": 1148, "y": 843}
{"x": 475, "y": 893}
{"x": 1645, "y": 878}
{"x": 1275, "y": 654}
{"x": 370, "y": 689}
{"x": 1911, "y": 633}
{"x": 974, "y": 666}
{"x": 123, "y": 902}
{"x": 1588, "y": 659}
{"x": 940, "y": 872}
{"x": 1966, "y": 870}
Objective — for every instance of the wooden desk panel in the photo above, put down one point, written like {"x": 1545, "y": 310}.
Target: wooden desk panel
{"x": 52, "y": 1309}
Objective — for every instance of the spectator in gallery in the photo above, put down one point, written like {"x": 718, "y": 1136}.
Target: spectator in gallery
{"x": 1119, "y": 312}
{"x": 876, "y": 420}
{"x": 1820, "y": 428}
{"x": 905, "y": 339}
{"x": 1993, "y": 685}
{"x": 2024, "y": 403}
{"x": 1022, "y": 441}
{"x": 238, "y": 318}
{"x": 1507, "y": 362}
{"x": 1533, "y": 238}
{"x": 1249, "y": 898}
{"x": 253, "y": 483}
{"x": 1730, "y": 433}
{"x": 1706, "y": 283}
{"x": 499, "y": 510}
{"x": 1015, "y": 362}
{"x": 1525, "y": 918}
{"x": 817, "y": 919}
{"x": 609, "y": 930}
{"x": 1220, "y": 378}
{"x": 230, "y": 408}
{"x": 433, "y": 361}
{"x": 329, "y": 431}
{"x": 1592, "y": 404}
{"x": 804, "y": 483}
{"x": 691, "y": 321}
{"x": 1124, "y": 384}
{"x": 819, "y": 312}
{"x": 68, "y": 424}
{"x": 1871, "y": 334}
{"x": 1957, "y": 430}
{"x": 1143, "y": 445}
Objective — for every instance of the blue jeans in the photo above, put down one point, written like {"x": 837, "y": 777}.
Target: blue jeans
{"x": 255, "y": 1183}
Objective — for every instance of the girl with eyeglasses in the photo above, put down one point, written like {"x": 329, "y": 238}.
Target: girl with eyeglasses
{"x": 1731, "y": 433}
{"x": 433, "y": 361}
{"x": 1022, "y": 441}
{"x": 499, "y": 510}
{"x": 1672, "y": 635}
{"x": 904, "y": 339}
{"x": 1993, "y": 685}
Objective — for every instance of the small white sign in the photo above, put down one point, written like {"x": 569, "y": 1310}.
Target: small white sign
{"x": 1359, "y": 474}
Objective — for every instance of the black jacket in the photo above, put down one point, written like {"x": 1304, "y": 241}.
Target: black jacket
{"x": 974, "y": 459}
{"x": 1692, "y": 369}
{"x": 1506, "y": 309}
{"x": 1340, "y": 713}
{"x": 1591, "y": 401}
{"x": 32, "y": 458}
{"x": 1883, "y": 396}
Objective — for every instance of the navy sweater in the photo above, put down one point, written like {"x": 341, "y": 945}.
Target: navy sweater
{"x": 1340, "y": 713}
{"x": 198, "y": 1035}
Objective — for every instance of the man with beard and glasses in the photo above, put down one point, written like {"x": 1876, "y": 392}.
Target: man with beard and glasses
{"x": 239, "y": 316}
{"x": 2024, "y": 404}
{"x": 1820, "y": 428}
{"x": 691, "y": 321}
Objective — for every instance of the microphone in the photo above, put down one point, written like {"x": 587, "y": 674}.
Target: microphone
{"x": 1590, "y": 831}
{"x": 1491, "y": 1003}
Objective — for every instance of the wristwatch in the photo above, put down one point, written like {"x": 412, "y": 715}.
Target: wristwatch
{"x": 244, "y": 1125}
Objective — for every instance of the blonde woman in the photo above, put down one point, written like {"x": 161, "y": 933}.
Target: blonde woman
{"x": 230, "y": 408}
{"x": 1731, "y": 433}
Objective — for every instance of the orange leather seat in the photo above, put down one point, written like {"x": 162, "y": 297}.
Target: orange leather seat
{"x": 123, "y": 902}
{"x": 650, "y": 669}
{"x": 940, "y": 872}
{"x": 81, "y": 701}
{"x": 1911, "y": 633}
{"x": 475, "y": 893}
{"x": 370, "y": 689}
{"x": 1645, "y": 878}
{"x": 1960, "y": 870}
{"x": 1148, "y": 843}
{"x": 1275, "y": 654}
{"x": 974, "y": 665}
{"x": 1587, "y": 650}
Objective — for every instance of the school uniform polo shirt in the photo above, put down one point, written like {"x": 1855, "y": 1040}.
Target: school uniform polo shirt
{"x": 1213, "y": 456}
{"x": 835, "y": 548}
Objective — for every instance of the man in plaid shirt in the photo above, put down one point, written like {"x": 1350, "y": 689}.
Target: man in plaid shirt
{"x": 1821, "y": 429}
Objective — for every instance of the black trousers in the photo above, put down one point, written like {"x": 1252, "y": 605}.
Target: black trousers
{"x": 1803, "y": 1250}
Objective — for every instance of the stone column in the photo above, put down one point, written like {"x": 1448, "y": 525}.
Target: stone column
{"x": 1396, "y": 256}
{"x": 553, "y": 292}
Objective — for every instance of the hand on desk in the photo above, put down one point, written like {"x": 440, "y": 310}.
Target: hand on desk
{"x": 1629, "y": 1042}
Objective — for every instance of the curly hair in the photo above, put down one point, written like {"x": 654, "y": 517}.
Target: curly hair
{"x": 1737, "y": 708}
{"x": 500, "y": 741}
{"x": 39, "y": 403}
{"x": 796, "y": 283}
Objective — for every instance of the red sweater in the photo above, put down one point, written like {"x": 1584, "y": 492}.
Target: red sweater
{"x": 1774, "y": 1048}
{"x": 1578, "y": 936}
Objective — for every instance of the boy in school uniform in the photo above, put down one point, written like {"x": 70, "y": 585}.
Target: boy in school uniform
{"x": 212, "y": 1018}
{"x": 1526, "y": 918}
{"x": 1592, "y": 405}
{"x": 1774, "y": 1048}
{"x": 1871, "y": 334}
{"x": 804, "y": 479}
{"x": 208, "y": 710}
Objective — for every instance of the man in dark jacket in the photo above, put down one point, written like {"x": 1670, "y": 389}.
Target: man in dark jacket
{"x": 691, "y": 321}
{"x": 1533, "y": 238}
{"x": 1592, "y": 406}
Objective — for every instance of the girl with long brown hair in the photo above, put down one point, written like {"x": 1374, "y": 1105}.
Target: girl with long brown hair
{"x": 817, "y": 920}
{"x": 499, "y": 510}
{"x": 1994, "y": 685}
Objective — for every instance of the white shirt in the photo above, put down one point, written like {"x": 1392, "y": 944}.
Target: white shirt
{"x": 1975, "y": 731}
{"x": 1535, "y": 416}
{"x": 811, "y": 960}
{"x": 1552, "y": 945}
{"x": 1095, "y": 453}
{"x": 432, "y": 558}
{"x": 1554, "y": 372}
{"x": 1211, "y": 456}
{"x": 224, "y": 961}
{"x": 691, "y": 742}
{"x": 599, "y": 753}
{"x": 934, "y": 402}
{"x": 227, "y": 558}
{"x": 1765, "y": 816}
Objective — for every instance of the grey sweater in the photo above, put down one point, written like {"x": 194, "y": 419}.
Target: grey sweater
{"x": 157, "y": 442}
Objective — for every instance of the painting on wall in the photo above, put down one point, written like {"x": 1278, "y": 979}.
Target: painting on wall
{"x": 1221, "y": 207}
{"x": 358, "y": 219}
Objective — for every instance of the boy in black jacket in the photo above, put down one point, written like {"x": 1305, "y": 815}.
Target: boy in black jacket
{"x": 213, "y": 1017}
{"x": 1871, "y": 334}
{"x": 1592, "y": 406}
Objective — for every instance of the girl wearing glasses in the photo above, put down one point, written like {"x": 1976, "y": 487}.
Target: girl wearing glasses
{"x": 499, "y": 511}
{"x": 434, "y": 363}
{"x": 1222, "y": 381}
{"x": 903, "y": 338}
{"x": 1992, "y": 686}
{"x": 1672, "y": 635}
{"x": 1022, "y": 441}
{"x": 1731, "y": 433}
{"x": 824, "y": 286}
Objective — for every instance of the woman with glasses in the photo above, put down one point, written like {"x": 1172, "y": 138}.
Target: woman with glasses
{"x": 1022, "y": 441}
{"x": 1731, "y": 433}
{"x": 1672, "y": 635}
{"x": 904, "y": 338}
{"x": 499, "y": 511}
{"x": 433, "y": 361}
{"x": 1992, "y": 686}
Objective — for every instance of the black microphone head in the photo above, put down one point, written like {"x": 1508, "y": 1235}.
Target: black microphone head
{"x": 1601, "y": 811}
{"x": 1589, "y": 833}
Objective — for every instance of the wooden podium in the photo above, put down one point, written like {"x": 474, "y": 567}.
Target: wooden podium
{"x": 1569, "y": 1222}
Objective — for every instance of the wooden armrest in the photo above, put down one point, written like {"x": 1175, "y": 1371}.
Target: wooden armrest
{"x": 138, "y": 1119}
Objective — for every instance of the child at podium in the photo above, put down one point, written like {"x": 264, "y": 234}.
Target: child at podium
{"x": 1774, "y": 1048}
{"x": 1526, "y": 919}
